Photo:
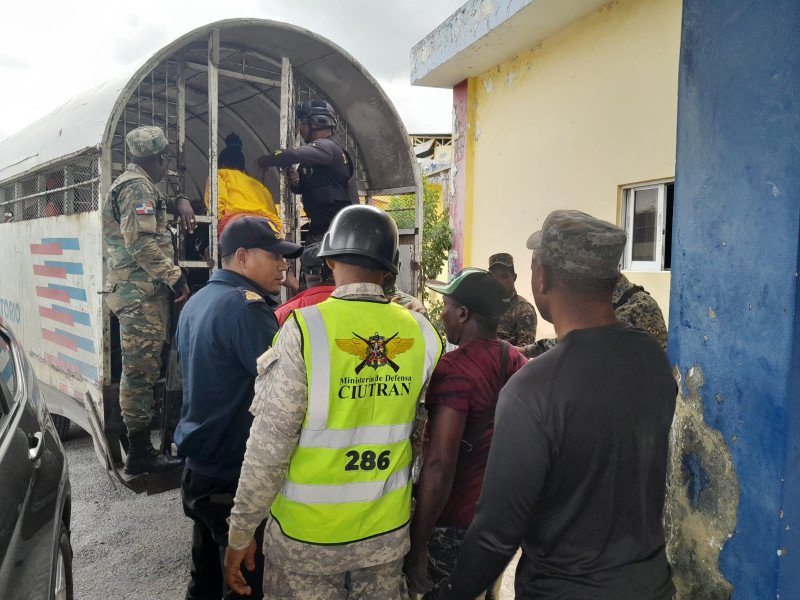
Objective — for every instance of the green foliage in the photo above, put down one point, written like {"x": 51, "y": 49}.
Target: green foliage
{"x": 437, "y": 240}
{"x": 435, "y": 308}
{"x": 402, "y": 210}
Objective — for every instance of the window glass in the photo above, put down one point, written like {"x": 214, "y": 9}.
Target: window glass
{"x": 645, "y": 223}
{"x": 7, "y": 367}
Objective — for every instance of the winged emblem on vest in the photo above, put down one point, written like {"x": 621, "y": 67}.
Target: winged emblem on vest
{"x": 376, "y": 351}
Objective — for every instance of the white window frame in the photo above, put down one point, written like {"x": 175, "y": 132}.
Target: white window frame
{"x": 628, "y": 264}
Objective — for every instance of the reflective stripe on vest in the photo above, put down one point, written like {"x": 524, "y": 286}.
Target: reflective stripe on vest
{"x": 319, "y": 375}
{"x": 349, "y": 477}
{"x": 358, "y": 436}
{"x": 433, "y": 343}
{"x": 365, "y": 491}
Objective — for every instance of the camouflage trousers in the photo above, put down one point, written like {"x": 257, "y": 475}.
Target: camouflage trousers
{"x": 142, "y": 309}
{"x": 381, "y": 582}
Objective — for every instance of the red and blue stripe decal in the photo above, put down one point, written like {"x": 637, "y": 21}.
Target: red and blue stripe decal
{"x": 63, "y": 311}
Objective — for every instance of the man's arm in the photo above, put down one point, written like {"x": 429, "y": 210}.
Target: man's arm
{"x": 537, "y": 348}
{"x": 309, "y": 154}
{"x": 408, "y": 301}
{"x": 181, "y": 207}
{"x": 518, "y": 463}
{"x": 525, "y": 324}
{"x": 253, "y": 333}
{"x": 445, "y": 430}
{"x": 279, "y": 408}
{"x": 138, "y": 231}
{"x": 643, "y": 312}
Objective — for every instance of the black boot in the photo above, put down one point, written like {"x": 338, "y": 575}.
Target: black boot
{"x": 143, "y": 458}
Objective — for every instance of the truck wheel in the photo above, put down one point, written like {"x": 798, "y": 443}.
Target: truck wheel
{"x": 62, "y": 426}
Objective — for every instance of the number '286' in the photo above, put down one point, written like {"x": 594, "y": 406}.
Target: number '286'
{"x": 367, "y": 460}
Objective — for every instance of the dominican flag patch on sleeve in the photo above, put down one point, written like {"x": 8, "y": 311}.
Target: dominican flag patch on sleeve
{"x": 144, "y": 208}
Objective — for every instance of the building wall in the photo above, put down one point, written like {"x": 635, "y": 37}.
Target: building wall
{"x": 564, "y": 125}
{"x": 734, "y": 335}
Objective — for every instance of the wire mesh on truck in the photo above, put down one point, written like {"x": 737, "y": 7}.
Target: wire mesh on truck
{"x": 401, "y": 208}
{"x": 154, "y": 102}
{"x": 66, "y": 188}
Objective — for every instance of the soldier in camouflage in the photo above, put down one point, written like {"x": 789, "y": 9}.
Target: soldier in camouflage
{"x": 518, "y": 323}
{"x": 367, "y": 569}
{"x": 632, "y": 304}
{"x": 142, "y": 276}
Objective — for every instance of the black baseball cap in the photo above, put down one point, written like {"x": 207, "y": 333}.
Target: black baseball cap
{"x": 256, "y": 232}
{"x": 478, "y": 290}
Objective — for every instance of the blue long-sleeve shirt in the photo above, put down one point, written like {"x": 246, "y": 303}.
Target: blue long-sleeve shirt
{"x": 222, "y": 330}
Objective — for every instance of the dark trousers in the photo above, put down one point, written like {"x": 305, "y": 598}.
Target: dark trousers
{"x": 444, "y": 546}
{"x": 208, "y": 503}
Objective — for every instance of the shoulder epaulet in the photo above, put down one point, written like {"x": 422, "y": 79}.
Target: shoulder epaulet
{"x": 250, "y": 296}
{"x": 265, "y": 360}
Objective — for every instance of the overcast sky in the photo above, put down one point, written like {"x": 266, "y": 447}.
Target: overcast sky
{"x": 52, "y": 50}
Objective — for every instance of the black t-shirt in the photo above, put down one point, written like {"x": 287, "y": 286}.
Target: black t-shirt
{"x": 577, "y": 474}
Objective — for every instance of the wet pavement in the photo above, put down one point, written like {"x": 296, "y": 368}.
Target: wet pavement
{"x": 124, "y": 545}
{"x": 130, "y": 546}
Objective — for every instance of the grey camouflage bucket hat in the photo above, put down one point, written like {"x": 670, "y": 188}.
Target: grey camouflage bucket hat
{"x": 146, "y": 141}
{"x": 579, "y": 243}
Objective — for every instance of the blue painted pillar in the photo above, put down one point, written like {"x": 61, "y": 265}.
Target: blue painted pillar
{"x": 734, "y": 303}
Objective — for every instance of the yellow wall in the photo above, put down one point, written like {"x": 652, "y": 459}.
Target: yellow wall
{"x": 567, "y": 123}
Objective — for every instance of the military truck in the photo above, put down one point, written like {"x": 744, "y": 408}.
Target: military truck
{"x": 240, "y": 75}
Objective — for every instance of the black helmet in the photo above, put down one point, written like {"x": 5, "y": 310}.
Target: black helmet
{"x": 318, "y": 111}
{"x": 363, "y": 230}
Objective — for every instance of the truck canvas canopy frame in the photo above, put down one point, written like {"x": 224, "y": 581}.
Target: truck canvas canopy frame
{"x": 240, "y": 75}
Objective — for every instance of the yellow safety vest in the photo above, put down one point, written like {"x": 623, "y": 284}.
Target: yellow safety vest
{"x": 349, "y": 476}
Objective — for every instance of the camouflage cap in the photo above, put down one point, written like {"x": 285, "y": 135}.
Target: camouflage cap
{"x": 579, "y": 243}
{"x": 503, "y": 259}
{"x": 146, "y": 141}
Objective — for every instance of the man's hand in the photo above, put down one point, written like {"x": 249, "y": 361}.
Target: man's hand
{"x": 185, "y": 213}
{"x": 293, "y": 177}
{"x": 415, "y": 567}
{"x": 233, "y": 567}
{"x": 181, "y": 290}
{"x": 290, "y": 282}
{"x": 182, "y": 295}
{"x": 411, "y": 304}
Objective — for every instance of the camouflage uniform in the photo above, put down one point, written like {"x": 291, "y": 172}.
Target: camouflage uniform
{"x": 639, "y": 309}
{"x": 141, "y": 271}
{"x": 395, "y": 294}
{"x": 518, "y": 324}
{"x": 378, "y": 582}
{"x": 368, "y": 569}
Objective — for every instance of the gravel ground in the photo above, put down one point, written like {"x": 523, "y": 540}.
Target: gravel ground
{"x": 125, "y": 545}
{"x": 130, "y": 545}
